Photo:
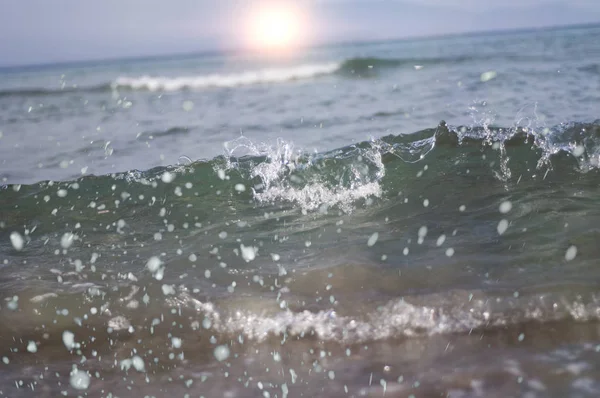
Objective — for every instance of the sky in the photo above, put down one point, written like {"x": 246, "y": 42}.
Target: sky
{"x": 50, "y": 31}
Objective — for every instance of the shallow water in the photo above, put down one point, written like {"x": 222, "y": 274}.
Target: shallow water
{"x": 403, "y": 257}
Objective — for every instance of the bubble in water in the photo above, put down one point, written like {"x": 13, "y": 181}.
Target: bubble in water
{"x": 450, "y": 252}
{"x": 571, "y": 253}
{"x": 221, "y": 353}
{"x": 502, "y": 226}
{"x": 167, "y": 177}
{"x": 80, "y": 380}
{"x": 221, "y": 174}
{"x": 426, "y": 203}
{"x": 223, "y": 235}
{"x": 17, "y": 241}
{"x": 373, "y": 239}
{"x": 505, "y": 207}
{"x": 462, "y": 208}
{"x": 62, "y": 193}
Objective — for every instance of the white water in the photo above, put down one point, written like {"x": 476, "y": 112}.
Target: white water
{"x": 260, "y": 76}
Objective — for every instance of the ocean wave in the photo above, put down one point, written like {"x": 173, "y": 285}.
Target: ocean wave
{"x": 278, "y": 173}
{"x": 41, "y": 91}
{"x": 260, "y": 319}
{"x": 350, "y": 68}
{"x": 261, "y": 76}
{"x": 461, "y": 312}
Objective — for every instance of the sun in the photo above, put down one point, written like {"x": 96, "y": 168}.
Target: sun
{"x": 276, "y": 26}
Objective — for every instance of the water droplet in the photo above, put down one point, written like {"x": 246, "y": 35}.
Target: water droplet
{"x": 32, "y": 347}
{"x": 221, "y": 353}
{"x": 67, "y": 240}
{"x": 441, "y": 240}
{"x": 68, "y": 339}
{"x": 17, "y": 241}
{"x": 167, "y": 177}
{"x": 502, "y": 226}
{"x": 487, "y": 76}
{"x": 571, "y": 253}
{"x": 505, "y": 207}
{"x": 176, "y": 341}
{"x": 373, "y": 239}
{"x": 153, "y": 264}
{"x": 248, "y": 253}
{"x": 79, "y": 380}
{"x": 240, "y": 187}
{"x": 138, "y": 363}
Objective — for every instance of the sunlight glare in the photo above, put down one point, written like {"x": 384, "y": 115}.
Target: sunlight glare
{"x": 276, "y": 27}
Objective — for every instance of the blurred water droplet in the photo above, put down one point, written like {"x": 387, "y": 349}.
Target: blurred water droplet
{"x": 487, "y": 76}
{"x": 571, "y": 253}
{"x": 502, "y": 226}
{"x": 373, "y": 239}
{"x": 221, "y": 353}
{"x": 505, "y": 207}
{"x": 17, "y": 241}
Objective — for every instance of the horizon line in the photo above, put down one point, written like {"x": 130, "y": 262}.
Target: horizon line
{"x": 325, "y": 44}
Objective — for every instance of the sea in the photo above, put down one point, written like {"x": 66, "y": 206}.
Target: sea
{"x": 411, "y": 218}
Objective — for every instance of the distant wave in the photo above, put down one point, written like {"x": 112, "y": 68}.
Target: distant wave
{"x": 352, "y": 67}
{"x": 272, "y": 75}
{"x": 40, "y": 91}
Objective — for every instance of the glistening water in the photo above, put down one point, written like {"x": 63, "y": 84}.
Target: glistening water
{"x": 401, "y": 219}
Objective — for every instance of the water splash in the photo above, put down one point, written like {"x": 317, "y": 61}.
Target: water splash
{"x": 312, "y": 181}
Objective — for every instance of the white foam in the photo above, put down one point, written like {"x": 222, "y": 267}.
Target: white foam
{"x": 395, "y": 319}
{"x": 290, "y": 175}
{"x": 313, "y": 196}
{"x": 260, "y": 76}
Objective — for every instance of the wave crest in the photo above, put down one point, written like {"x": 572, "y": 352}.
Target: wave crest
{"x": 273, "y": 75}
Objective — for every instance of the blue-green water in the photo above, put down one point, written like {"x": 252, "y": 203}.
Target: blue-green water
{"x": 400, "y": 218}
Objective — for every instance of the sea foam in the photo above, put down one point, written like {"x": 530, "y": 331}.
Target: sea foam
{"x": 260, "y": 76}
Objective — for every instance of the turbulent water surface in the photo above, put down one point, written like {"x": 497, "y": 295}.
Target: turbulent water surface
{"x": 404, "y": 219}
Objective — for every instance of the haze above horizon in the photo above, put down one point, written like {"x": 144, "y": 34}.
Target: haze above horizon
{"x": 42, "y": 32}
